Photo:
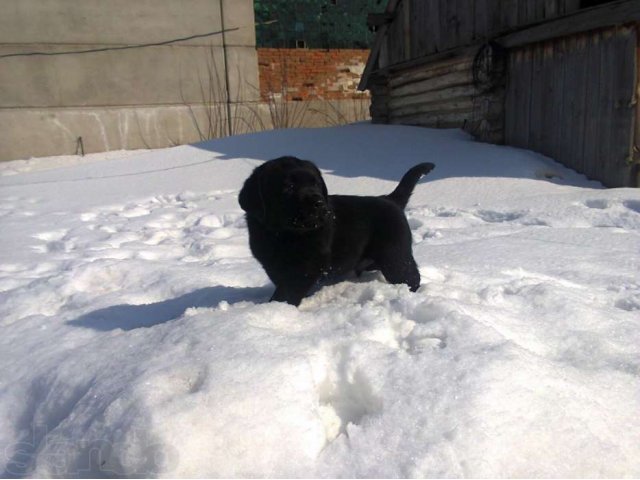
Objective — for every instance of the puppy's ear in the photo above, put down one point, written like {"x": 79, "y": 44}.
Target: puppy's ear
{"x": 250, "y": 197}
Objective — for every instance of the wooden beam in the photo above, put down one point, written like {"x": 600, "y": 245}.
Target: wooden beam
{"x": 377, "y": 45}
{"x": 406, "y": 26}
{"x": 372, "y": 61}
{"x": 634, "y": 179}
{"x": 376, "y": 20}
{"x": 602, "y": 16}
{"x": 431, "y": 58}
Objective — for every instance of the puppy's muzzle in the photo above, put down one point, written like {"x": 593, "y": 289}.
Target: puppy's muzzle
{"x": 317, "y": 203}
{"x": 317, "y": 207}
{"x": 313, "y": 214}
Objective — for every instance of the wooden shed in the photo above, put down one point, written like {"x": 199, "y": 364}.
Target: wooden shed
{"x": 559, "y": 77}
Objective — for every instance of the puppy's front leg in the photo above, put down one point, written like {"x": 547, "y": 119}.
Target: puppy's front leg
{"x": 292, "y": 293}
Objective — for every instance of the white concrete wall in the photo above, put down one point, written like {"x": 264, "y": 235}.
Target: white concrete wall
{"x": 138, "y": 98}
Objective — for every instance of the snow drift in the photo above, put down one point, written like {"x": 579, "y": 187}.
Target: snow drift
{"x": 137, "y": 341}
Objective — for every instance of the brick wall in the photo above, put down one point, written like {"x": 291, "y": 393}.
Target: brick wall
{"x": 305, "y": 74}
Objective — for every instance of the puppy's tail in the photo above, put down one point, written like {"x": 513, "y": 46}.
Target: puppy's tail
{"x": 403, "y": 191}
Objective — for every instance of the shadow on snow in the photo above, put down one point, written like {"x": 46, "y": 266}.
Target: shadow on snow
{"x": 129, "y": 317}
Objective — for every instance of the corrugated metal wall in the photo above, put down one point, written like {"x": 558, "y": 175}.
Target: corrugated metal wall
{"x": 573, "y": 99}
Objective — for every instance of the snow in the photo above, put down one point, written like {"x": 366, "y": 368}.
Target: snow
{"x": 37, "y": 164}
{"x": 137, "y": 339}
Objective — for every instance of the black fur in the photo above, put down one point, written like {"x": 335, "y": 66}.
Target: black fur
{"x": 300, "y": 234}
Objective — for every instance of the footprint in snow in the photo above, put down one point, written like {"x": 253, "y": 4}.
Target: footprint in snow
{"x": 633, "y": 205}
{"x": 597, "y": 203}
{"x": 490, "y": 216}
{"x": 346, "y": 396}
{"x": 629, "y": 304}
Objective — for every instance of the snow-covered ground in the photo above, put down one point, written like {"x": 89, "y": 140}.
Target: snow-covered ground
{"x": 137, "y": 338}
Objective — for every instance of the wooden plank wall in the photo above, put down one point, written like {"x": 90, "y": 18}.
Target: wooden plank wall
{"x": 635, "y": 167}
{"x": 573, "y": 99}
{"x": 443, "y": 95}
{"x": 437, "y": 95}
{"x": 379, "y": 108}
{"x": 438, "y": 25}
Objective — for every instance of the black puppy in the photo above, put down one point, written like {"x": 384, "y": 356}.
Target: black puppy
{"x": 300, "y": 234}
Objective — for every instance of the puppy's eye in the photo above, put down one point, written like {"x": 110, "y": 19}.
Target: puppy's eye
{"x": 288, "y": 188}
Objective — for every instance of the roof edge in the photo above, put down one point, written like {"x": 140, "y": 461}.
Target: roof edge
{"x": 369, "y": 68}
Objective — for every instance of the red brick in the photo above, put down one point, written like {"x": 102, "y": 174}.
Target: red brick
{"x": 310, "y": 73}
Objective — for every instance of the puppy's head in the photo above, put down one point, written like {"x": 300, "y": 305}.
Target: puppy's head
{"x": 286, "y": 194}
